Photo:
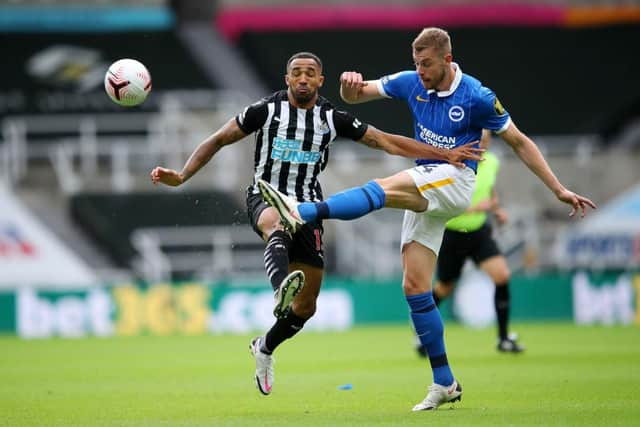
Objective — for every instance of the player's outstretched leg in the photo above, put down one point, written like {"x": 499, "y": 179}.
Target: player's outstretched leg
{"x": 276, "y": 262}
{"x": 264, "y": 367}
{"x": 348, "y": 204}
{"x": 284, "y": 295}
{"x": 276, "y": 257}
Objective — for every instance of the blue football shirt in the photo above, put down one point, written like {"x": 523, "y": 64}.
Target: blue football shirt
{"x": 447, "y": 119}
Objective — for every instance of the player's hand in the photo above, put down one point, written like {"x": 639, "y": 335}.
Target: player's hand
{"x": 352, "y": 79}
{"x": 350, "y": 84}
{"x": 465, "y": 152}
{"x": 482, "y": 206}
{"x": 166, "y": 176}
{"x": 501, "y": 216}
{"x": 577, "y": 202}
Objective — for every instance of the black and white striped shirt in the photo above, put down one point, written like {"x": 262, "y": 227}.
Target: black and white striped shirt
{"x": 292, "y": 144}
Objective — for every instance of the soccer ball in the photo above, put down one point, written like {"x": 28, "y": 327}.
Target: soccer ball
{"x": 127, "y": 82}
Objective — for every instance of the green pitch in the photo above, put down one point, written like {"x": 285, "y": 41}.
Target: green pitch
{"x": 569, "y": 376}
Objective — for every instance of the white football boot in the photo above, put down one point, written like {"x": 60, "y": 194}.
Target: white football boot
{"x": 264, "y": 367}
{"x": 286, "y": 206}
{"x": 284, "y": 295}
{"x": 439, "y": 395}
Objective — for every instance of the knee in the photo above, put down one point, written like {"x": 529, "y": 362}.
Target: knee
{"x": 443, "y": 289}
{"x": 502, "y": 277}
{"x": 413, "y": 285}
{"x": 269, "y": 221}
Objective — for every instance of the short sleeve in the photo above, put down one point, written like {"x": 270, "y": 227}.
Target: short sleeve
{"x": 490, "y": 114}
{"x": 397, "y": 85}
{"x": 253, "y": 117}
{"x": 348, "y": 126}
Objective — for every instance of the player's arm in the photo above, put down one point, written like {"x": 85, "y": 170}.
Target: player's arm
{"x": 355, "y": 90}
{"x": 226, "y": 135}
{"x": 500, "y": 214}
{"x": 493, "y": 204}
{"x": 531, "y": 156}
{"x": 485, "y": 205}
{"x": 407, "y": 147}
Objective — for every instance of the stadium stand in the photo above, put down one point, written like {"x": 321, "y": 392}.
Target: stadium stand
{"x": 111, "y": 220}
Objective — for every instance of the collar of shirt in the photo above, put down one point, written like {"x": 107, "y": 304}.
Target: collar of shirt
{"x": 454, "y": 85}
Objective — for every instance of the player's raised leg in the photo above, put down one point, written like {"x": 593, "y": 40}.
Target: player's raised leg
{"x": 286, "y": 285}
{"x": 286, "y": 206}
{"x": 349, "y": 204}
{"x": 286, "y": 292}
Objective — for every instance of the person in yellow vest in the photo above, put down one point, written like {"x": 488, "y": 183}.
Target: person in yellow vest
{"x": 470, "y": 236}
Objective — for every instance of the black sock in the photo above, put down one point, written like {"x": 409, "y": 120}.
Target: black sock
{"x": 502, "y": 302}
{"x": 283, "y": 329}
{"x": 276, "y": 257}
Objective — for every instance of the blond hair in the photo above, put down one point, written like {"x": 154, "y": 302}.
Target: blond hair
{"x": 432, "y": 37}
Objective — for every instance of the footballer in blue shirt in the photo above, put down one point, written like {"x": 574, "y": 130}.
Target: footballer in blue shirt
{"x": 449, "y": 108}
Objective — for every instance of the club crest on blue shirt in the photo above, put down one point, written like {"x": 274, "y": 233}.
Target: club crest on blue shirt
{"x": 456, "y": 113}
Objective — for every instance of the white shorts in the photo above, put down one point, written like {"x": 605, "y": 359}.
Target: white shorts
{"x": 448, "y": 189}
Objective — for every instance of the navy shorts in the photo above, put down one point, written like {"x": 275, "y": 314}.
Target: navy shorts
{"x": 457, "y": 246}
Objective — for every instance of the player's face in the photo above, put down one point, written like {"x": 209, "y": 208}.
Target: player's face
{"x": 432, "y": 67}
{"x": 303, "y": 78}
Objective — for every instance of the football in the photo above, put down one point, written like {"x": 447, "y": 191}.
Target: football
{"x": 127, "y": 82}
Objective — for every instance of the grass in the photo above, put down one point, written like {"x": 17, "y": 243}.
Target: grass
{"x": 582, "y": 376}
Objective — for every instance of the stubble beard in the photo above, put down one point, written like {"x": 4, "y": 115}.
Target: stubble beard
{"x": 304, "y": 98}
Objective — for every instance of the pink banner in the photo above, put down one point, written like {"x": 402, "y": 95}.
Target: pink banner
{"x": 234, "y": 21}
